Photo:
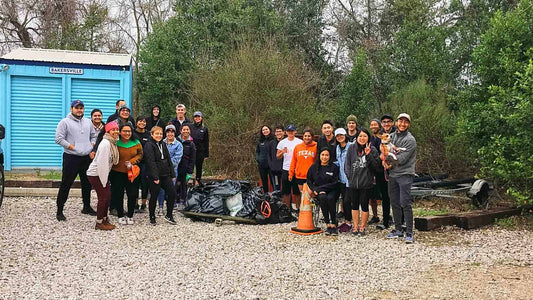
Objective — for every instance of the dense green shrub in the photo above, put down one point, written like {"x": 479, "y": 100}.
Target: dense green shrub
{"x": 257, "y": 85}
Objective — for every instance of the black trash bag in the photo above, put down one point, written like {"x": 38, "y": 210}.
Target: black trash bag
{"x": 279, "y": 212}
{"x": 209, "y": 197}
{"x": 250, "y": 198}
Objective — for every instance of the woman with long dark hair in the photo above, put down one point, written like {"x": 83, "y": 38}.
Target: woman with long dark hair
{"x": 322, "y": 179}
{"x": 130, "y": 154}
{"x": 261, "y": 155}
{"x": 362, "y": 160}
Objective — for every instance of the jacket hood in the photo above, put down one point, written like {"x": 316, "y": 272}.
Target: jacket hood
{"x": 152, "y": 112}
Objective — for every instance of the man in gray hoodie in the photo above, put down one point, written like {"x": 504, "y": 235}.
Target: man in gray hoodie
{"x": 401, "y": 179}
{"x": 76, "y": 135}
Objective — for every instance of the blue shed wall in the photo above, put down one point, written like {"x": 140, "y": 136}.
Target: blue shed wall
{"x": 33, "y": 101}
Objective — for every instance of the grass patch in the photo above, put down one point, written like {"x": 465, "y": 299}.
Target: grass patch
{"x": 424, "y": 212}
{"x": 51, "y": 175}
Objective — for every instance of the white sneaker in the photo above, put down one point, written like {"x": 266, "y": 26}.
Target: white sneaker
{"x": 130, "y": 221}
{"x": 160, "y": 211}
{"x": 122, "y": 221}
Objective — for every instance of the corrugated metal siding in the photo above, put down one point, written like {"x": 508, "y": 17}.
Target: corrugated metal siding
{"x": 96, "y": 93}
{"x": 36, "y": 107}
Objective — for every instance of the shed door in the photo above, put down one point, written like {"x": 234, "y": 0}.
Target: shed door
{"x": 96, "y": 93}
{"x": 36, "y": 108}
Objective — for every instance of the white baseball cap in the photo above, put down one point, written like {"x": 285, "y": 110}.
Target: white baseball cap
{"x": 340, "y": 131}
{"x": 404, "y": 115}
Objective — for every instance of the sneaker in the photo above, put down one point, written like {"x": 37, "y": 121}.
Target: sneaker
{"x": 340, "y": 215}
{"x": 382, "y": 227}
{"x": 152, "y": 220}
{"x": 143, "y": 207}
{"x": 129, "y": 221}
{"x": 395, "y": 234}
{"x": 334, "y": 231}
{"x": 328, "y": 231}
{"x": 113, "y": 212}
{"x": 170, "y": 220}
{"x": 409, "y": 238}
{"x": 103, "y": 226}
{"x": 355, "y": 232}
{"x": 60, "y": 217}
{"x": 88, "y": 211}
{"x": 122, "y": 221}
{"x": 374, "y": 220}
{"x": 160, "y": 211}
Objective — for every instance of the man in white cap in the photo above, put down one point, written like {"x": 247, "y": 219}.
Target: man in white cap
{"x": 401, "y": 179}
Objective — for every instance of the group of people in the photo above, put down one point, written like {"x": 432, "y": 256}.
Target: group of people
{"x": 123, "y": 155}
{"x": 348, "y": 164}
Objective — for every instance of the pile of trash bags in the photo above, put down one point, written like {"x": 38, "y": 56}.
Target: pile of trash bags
{"x": 237, "y": 199}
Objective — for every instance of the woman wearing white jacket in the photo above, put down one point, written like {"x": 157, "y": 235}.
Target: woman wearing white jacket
{"x": 98, "y": 173}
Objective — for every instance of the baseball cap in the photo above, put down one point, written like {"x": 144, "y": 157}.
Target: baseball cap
{"x": 76, "y": 103}
{"x": 404, "y": 115}
{"x": 197, "y": 114}
{"x": 170, "y": 126}
{"x": 340, "y": 131}
{"x": 386, "y": 116}
{"x": 290, "y": 127}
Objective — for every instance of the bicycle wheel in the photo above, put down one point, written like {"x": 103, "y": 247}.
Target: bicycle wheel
{"x": 2, "y": 181}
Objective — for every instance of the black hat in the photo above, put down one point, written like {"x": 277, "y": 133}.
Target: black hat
{"x": 387, "y": 116}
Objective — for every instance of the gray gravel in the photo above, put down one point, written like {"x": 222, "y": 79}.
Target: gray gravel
{"x": 43, "y": 258}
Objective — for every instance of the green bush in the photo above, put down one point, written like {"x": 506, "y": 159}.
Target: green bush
{"x": 257, "y": 85}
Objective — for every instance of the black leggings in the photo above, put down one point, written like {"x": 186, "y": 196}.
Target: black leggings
{"x": 199, "y": 166}
{"x": 328, "y": 205}
{"x": 264, "y": 174}
{"x": 143, "y": 181}
{"x": 347, "y": 204}
{"x": 165, "y": 183}
{"x": 181, "y": 186}
{"x": 120, "y": 182}
{"x": 360, "y": 197}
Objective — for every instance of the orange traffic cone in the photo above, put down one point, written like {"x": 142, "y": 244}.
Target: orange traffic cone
{"x": 305, "y": 218}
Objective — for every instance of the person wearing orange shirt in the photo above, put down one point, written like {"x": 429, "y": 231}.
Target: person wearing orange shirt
{"x": 303, "y": 157}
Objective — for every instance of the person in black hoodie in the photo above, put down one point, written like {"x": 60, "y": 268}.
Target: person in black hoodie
{"x": 160, "y": 173}
{"x": 200, "y": 136}
{"x": 186, "y": 165}
{"x": 362, "y": 161}
{"x": 322, "y": 178}
{"x": 261, "y": 156}
{"x": 155, "y": 118}
{"x": 143, "y": 135}
{"x": 274, "y": 164}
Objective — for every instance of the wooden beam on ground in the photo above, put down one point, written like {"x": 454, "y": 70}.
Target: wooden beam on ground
{"x": 476, "y": 219}
{"x": 433, "y": 222}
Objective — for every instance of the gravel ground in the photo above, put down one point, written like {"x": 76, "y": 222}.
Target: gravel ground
{"x": 43, "y": 258}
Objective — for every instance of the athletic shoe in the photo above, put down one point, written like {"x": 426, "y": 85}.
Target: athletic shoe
{"x": 129, "y": 221}
{"x": 88, "y": 211}
{"x": 170, "y": 220}
{"x": 60, "y": 217}
{"x": 152, "y": 220}
{"x": 103, "y": 226}
{"x": 409, "y": 238}
{"x": 362, "y": 232}
{"x": 374, "y": 220}
{"x": 334, "y": 231}
{"x": 328, "y": 231}
{"x": 382, "y": 227}
{"x": 122, "y": 221}
{"x": 356, "y": 233}
{"x": 160, "y": 211}
{"x": 143, "y": 207}
{"x": 340, "y": 215}
{"x": 394, "y": 234}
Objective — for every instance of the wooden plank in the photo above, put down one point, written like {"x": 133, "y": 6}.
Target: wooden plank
{"x": 223, "y": 217}
{"x": 433, "y": 222}
{"x": 481, "y": 218}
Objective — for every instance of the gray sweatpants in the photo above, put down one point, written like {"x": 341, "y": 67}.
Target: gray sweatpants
{"x": 400, "y": 195}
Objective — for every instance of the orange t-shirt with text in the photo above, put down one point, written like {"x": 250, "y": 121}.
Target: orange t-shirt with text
{"x": 302, "y": 159}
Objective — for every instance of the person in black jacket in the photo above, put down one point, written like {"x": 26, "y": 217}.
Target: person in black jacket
{"x": 160, "y": 173}
{"x": 322, "y": 178}
{"x": 155, "y": 118}
{"x": 200, "y": 136}
{"x": 143, "y": 135}
{"x": 362, "y": 161}
{"x": 261, "y": 156}
{"x": 274, "y": 164}
{"x": 186, "y": 165}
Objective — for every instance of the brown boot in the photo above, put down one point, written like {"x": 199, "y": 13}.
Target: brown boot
{"x": 106, "y": 221}
{"x": 102, "y": 226}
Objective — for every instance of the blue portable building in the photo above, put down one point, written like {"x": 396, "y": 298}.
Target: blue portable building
{"x": 36, "y": 89}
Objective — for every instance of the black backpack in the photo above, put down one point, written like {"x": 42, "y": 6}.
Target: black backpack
{"x": 2, "y": 132}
